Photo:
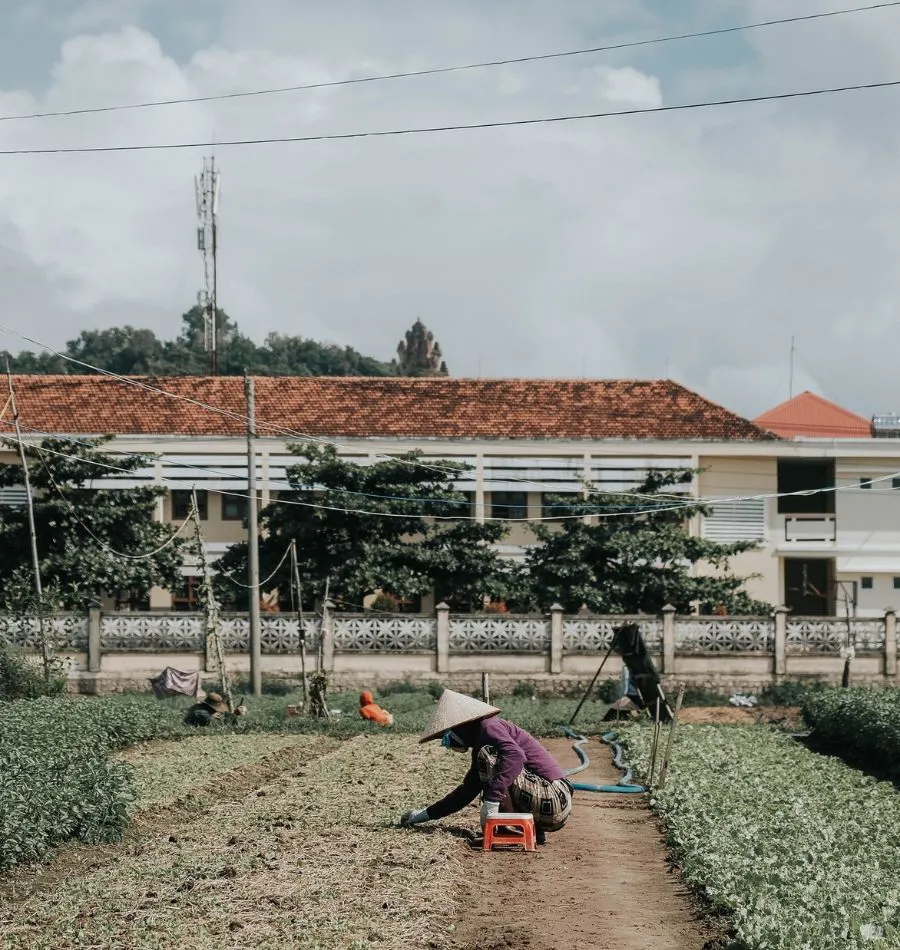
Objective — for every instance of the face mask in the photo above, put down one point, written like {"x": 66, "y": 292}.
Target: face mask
{"x": 451, "y": 740}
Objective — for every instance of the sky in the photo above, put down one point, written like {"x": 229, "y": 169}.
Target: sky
{"x": 692, "y": 244}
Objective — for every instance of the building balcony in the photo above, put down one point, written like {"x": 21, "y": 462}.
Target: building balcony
{"x": 809, "y": 529}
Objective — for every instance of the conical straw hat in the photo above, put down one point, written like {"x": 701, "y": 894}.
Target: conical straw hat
{"x": 455, "y": 709}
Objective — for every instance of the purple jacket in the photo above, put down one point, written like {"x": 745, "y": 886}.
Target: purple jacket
{"x": 516, "y": 750}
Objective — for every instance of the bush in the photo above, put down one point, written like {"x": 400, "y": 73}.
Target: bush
{"x": 791, "y": 693}
{"x": 524, "y": 690}
{"x": 57, "y": 782}
{"x": 401, "y": 686}
{"x": 610, "y": 691}
{"x": 435, "y": 690}
{"x": 272, "y": 685}
{"x": 860, "y": 725}
{"x": 20, "y": 678}
{"x": 697, "y": 696}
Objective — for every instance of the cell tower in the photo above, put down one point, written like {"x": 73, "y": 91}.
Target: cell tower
{"x": 206, "y": 186}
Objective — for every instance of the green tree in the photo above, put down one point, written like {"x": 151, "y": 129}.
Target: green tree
{"x": 123, "y": 350}
{"x": 370, "y": 527}
{"x": 90, "y": 540}
{"x": 636, "y": 556}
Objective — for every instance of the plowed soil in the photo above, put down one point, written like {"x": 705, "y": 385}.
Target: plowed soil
{"x": 604, "y": 881}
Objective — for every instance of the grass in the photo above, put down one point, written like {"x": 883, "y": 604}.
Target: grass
{"x": 164, "y": 771}
{"x": 311, "y": 860}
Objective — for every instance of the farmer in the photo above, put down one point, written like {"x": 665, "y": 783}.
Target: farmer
{"x": 370, "y": 710}
{"x": 510, "y": 768}
{"x": 213, "y": 706}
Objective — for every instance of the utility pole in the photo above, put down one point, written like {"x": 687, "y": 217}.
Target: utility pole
{"x": 32, "y": 531}
{"x": 206, "y": 186}
{"x": 253, "y": 540}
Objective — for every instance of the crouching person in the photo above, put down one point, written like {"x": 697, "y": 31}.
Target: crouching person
{"x": 511, "y": 770}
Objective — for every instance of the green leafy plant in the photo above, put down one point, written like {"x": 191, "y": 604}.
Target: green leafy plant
{"x": 57, "y": 781}
{"x": 797, "y": 849}
{"x": 21, "y": 678}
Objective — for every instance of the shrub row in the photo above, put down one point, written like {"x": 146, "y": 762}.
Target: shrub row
{"x": 57, "y": 781}
{"x": 860, "y": 725}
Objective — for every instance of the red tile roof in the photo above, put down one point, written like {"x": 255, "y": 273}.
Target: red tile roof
{"x": 814, "y": 417}
{"x": 364, "y": 407}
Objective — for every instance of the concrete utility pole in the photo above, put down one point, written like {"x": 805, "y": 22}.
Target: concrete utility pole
{"x": 207, "y": 191}
{"x": 253, "y": 540}
{"x": 32, "y": 531}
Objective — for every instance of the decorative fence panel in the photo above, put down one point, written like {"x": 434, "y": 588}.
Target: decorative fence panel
{"x": 507, "y": 634}
{"x": 67, "y": 632}
{"x": 186, "y": 633}
{"x": 724, "y": 635}
{"x": 361, "y": 633}
{"x": 831, "y": 635}
{"x": 594, "y": 634}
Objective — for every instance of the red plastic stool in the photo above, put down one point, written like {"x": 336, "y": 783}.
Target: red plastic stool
{"x": 494, "y": 837}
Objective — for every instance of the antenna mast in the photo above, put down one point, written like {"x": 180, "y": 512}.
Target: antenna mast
{"x": 791, "y": 374}
{"x": 206, "y": 186}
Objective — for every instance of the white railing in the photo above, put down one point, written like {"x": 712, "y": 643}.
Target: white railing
{"x": 810, "y": 528}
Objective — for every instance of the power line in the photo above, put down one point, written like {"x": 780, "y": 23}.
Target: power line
{"x": 469, "y": 127}
{"x": 441, "y": 70}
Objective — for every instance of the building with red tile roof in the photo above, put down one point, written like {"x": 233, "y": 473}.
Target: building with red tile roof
{"x": 810, "y": 416}
{"x": 370, "y": 407}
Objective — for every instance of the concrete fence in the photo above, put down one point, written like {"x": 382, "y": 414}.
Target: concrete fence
{"x": 108, "y": 651}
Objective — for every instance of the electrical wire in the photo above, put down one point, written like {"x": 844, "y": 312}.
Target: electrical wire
{"x": 466, "y": 127}
{"x": 442, "y": 70}
{"x": 261, "y": 584}
{"x": 128, "y": 557}
{"x": 692, "y": 503}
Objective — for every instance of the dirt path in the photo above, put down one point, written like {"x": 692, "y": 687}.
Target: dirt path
{"x": 602, "y": 883}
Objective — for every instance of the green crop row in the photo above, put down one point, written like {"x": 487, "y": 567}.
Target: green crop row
{"x": 57, "y": 782}
{"x": 799, "y": 850}
{"x": 860, "y": 725}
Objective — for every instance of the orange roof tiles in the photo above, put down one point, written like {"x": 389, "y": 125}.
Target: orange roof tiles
{"x": 367, "y": 407}
{"x": 814, "y": 417}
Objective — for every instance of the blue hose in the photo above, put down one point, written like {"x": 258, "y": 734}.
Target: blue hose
{"x": 624, "y": 787}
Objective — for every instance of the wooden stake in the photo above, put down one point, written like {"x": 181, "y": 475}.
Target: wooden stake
{"x": 655, "y": 743}
{"x": 667, "y": 758}
{"x": 295, "y": 586}
{"x": 485, "y": 687}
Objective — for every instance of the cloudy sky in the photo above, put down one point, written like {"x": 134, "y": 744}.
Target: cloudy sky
{"x": 689, "y": 244}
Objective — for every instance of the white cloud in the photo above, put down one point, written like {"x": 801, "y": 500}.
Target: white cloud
{"x": 702, "y": 240}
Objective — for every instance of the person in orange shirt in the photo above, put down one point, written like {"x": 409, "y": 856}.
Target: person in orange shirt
{"x": 368, "y": 709}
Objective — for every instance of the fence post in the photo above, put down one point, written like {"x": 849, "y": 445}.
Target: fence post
{"x": 443, "y": 637}
{"x": 781, "y": 641}
{"x": 668, "y": 666}
{"x": 94, "y": 646}
{"x": 328, "y": 636}
{"x": 890, "y": 643}
{"x": 556, "y": 638}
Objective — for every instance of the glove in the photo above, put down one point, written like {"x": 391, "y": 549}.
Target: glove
{"x": 488, "y": 810}
{"x": 414, "y": 817}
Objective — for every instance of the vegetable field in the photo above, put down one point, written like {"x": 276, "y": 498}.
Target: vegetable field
{"x": 800, "y": 850}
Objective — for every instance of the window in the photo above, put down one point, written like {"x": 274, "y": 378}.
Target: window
{"x": 897, "y": 583}
{"x": 234, "y": 507}
{"x": 865, "y": 483}
{"x": 895, "y": 483}
{"x": 816, "y": 477}
{"x": 188, "y": 596}
{"x": 867, "y": 583}
{"x": 464, "y": 508}
{"x": 555, "y": 505}
{"x": 181, "y": 503}
{"x": 509, "y": 505}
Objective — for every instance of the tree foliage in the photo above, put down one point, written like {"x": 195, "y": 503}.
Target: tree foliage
{"x": 132, "y": 351}
{"x": 88, "y": 538}
{"x": 635, "y": 556}
{"x": 364, "y": 528}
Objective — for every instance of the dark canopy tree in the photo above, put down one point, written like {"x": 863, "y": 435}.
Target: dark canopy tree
{"x": 635, "y": 556}
{"x": 90, "y": 540}
{"x": 373, "y": 527}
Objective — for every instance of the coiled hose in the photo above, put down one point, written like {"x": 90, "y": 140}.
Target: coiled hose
{"x": 624, "y": 787}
